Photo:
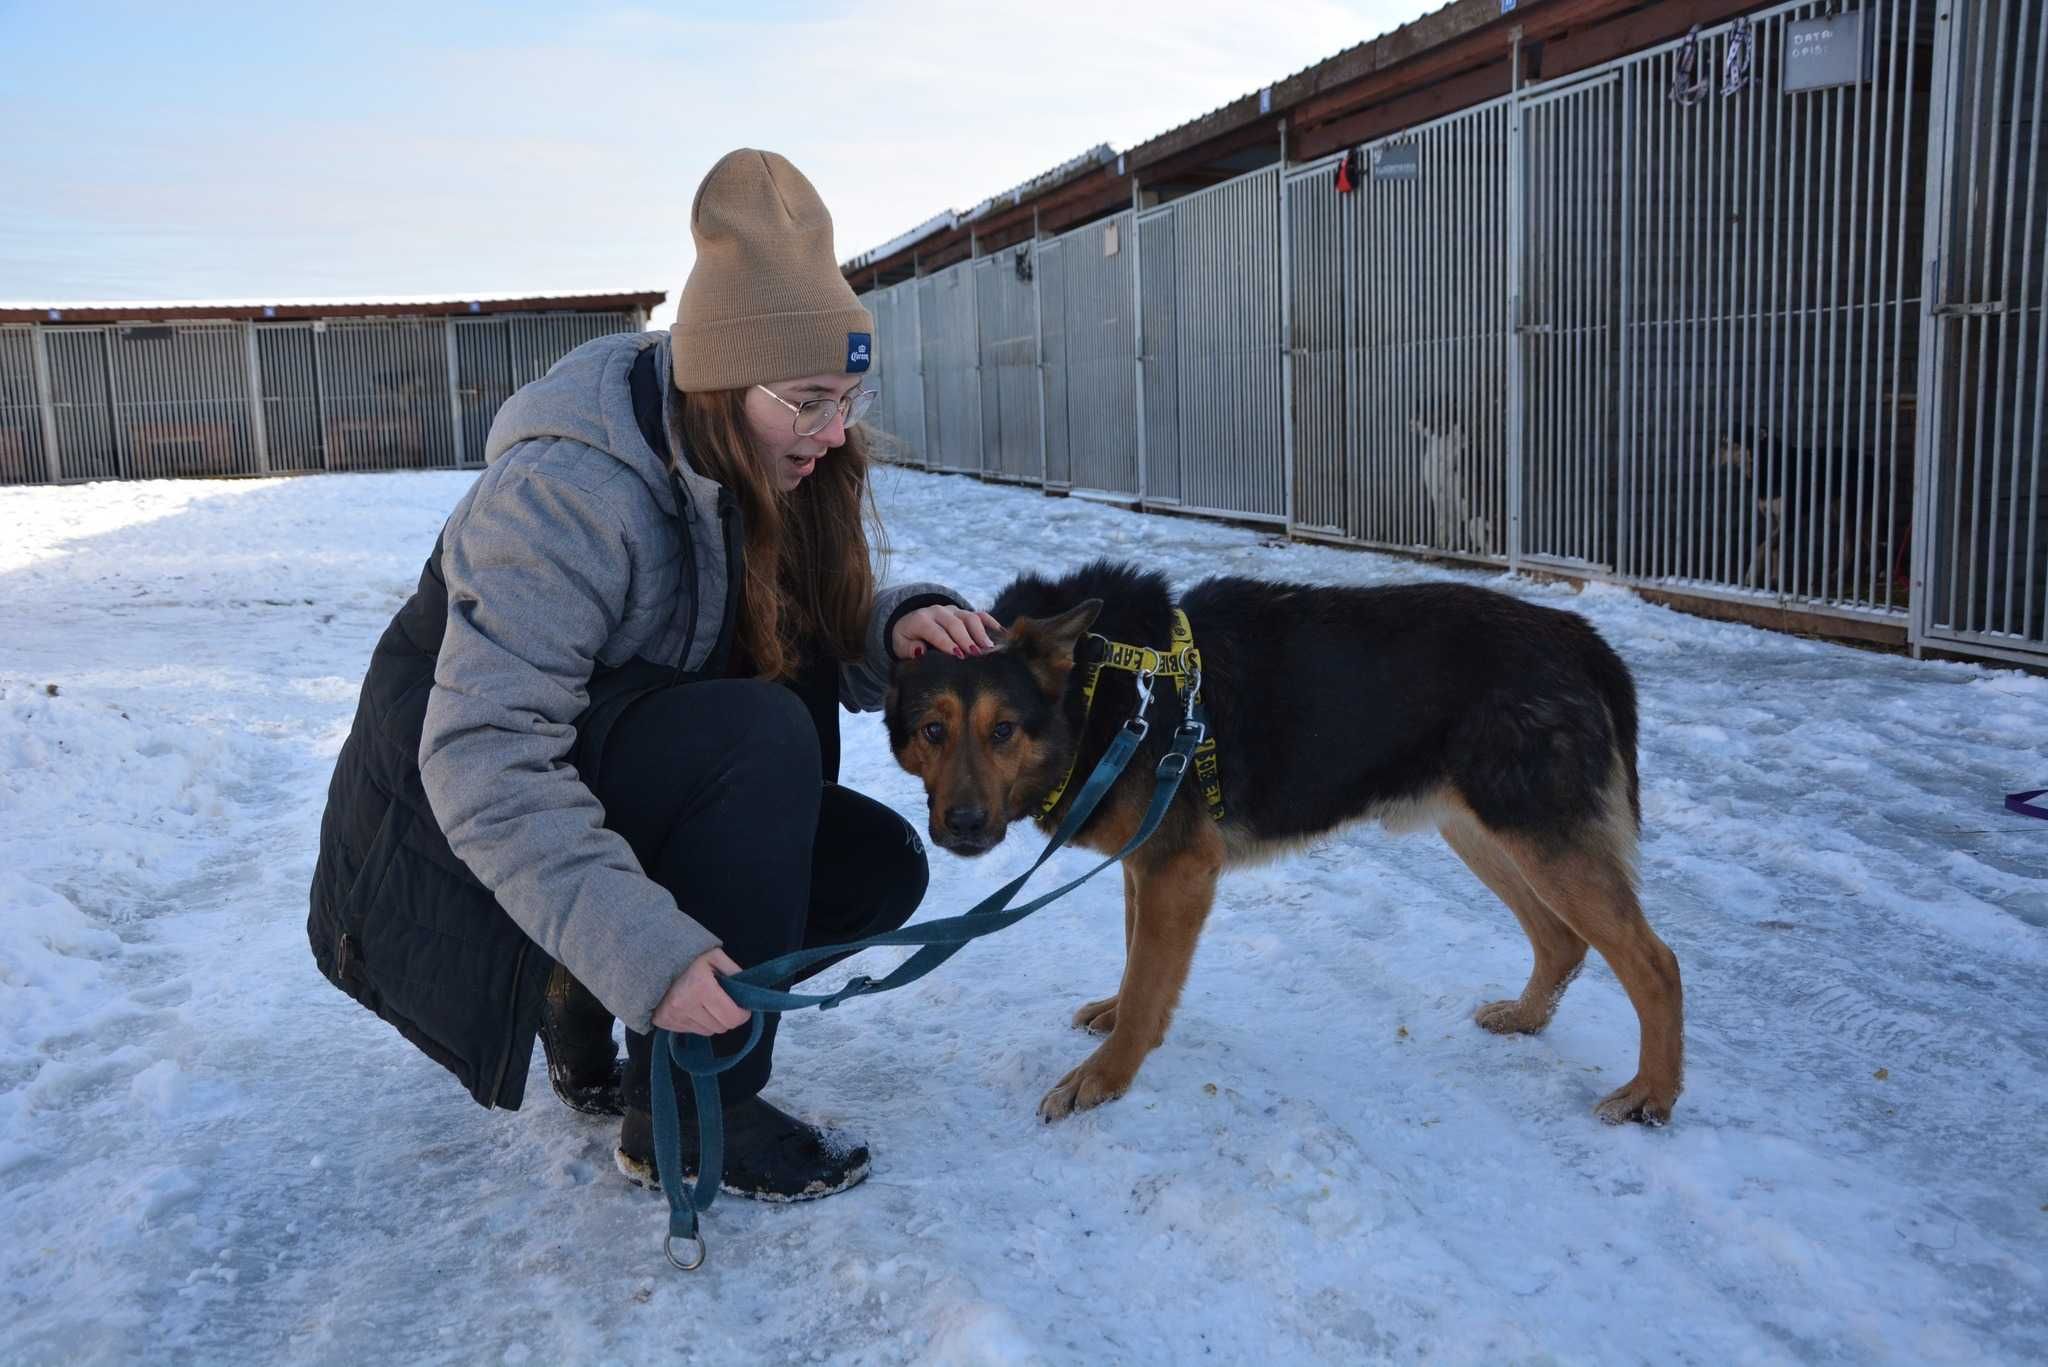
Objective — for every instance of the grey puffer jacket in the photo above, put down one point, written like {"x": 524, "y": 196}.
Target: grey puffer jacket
{"x": 575, "y": 554}
{"x": 566, "y": 557}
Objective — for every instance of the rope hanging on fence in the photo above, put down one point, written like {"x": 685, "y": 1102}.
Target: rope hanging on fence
{"x": 1688, "y": 88}
{"x": 1689, "y": 85}
{"x": 1735, "y": 68}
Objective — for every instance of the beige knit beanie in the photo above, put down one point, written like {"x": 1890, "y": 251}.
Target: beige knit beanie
{"x": 765, "y": 300}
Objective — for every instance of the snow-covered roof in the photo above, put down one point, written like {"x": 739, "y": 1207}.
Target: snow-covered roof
{"x": 101, "y": 310}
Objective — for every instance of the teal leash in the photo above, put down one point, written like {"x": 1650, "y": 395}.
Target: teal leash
{"x": 755, "y": 988}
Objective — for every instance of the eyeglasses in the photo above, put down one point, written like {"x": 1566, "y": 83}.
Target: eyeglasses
{"x": 815, "y": 415}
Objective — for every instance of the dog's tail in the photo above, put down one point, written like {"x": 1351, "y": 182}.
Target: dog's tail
{"x": 1618, "y": 688}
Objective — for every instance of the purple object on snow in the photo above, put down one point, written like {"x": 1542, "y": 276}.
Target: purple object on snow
{"x": 2027, "y": 805}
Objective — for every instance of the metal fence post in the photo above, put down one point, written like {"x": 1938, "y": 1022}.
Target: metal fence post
{"x": 258, "y": 428}
{"x": 1285, "y": 233}
{"x": 116, "y": 428}
{"x": 1038, "y": 347}
{"x": 1517, "y": 212}
{"x": 1928, "y": 406}
{"x": 46, "y": 401}
{"x": 973, "y": 288}
{"x": 449, "y": 329}
{"x": 318, "y": 334}
{"x": 1138, "y": 329}
{"x": 1625, "y": 453}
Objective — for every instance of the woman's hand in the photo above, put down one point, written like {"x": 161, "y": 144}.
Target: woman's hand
{"x": 695, "y": 1004}
{"x": 941, "y": 627}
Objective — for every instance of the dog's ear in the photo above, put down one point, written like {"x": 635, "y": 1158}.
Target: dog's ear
{"x": 1047, "y": 644}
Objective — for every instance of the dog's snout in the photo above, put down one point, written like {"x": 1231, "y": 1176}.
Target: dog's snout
{"x": 966, "y": 821}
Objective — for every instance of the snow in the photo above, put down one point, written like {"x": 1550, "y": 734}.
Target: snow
{"x": 209, "y": 1154}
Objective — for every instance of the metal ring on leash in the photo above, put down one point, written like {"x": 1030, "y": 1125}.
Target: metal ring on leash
{"x": 668, "y": 1248}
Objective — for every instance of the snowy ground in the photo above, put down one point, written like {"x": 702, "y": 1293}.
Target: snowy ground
{"x": 208, "y": 1154}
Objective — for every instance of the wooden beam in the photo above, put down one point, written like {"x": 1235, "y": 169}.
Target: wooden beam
{"x": 1086, "y": 210}
{"x": 1445, "y": 97}
{"x": 1199, "y": 179}
{"x": 952, "y": 254}
{"x": 1619, "y": 37}
{"x": 1454, "y": 24}
{"x": 1401, "y": 66}
{"x": 1264, "y": 133}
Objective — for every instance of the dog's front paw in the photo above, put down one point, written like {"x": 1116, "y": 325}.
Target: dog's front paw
{"x": 1091, "y": 1084}
{"x": 1097, "y": 1018}
{"x": 1640, "y": 1102}
{"x": 1508, "y": 1017}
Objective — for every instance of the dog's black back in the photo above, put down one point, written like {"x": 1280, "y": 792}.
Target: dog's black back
{"x": 1327, "y": 703}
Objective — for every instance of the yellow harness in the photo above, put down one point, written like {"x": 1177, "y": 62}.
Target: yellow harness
{"x": 1181, "y": 663}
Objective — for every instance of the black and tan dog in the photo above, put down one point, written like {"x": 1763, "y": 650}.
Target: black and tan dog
{"x": 1509, "y": 727}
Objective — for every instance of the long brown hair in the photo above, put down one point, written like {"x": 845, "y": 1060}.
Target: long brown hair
{"x": 809, "y": 575}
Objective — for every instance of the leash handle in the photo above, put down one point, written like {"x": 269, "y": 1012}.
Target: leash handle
{"x": 693, "y": 1054}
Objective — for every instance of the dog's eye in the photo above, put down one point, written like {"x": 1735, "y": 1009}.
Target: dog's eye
{"x": 1002, "y": 731}
{"x": 933, "y": 732}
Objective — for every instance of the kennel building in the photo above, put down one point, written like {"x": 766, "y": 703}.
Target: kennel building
{"x": 152, "y": 391}
{"x": 1741, "y": 306}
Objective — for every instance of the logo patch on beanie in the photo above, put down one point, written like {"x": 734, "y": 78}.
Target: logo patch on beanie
{"x": 857, "y": 350}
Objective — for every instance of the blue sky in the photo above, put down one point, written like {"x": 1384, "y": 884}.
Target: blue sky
{"x": 286, "y": 151}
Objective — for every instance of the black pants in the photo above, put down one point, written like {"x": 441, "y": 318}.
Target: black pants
{"x": 716, "y": 786}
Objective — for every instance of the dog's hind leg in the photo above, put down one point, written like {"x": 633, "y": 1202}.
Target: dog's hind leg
{"x": 1174, "y": 892}
{"x": 1591, "y": 888}
{"x": 1560, "y": 953}
{"x": 1099, "y": 1018}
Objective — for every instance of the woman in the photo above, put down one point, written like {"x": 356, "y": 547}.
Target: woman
{"x": 592, "y": 766}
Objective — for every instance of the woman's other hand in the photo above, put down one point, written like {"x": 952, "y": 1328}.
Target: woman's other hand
{"x": 941, "y": 627}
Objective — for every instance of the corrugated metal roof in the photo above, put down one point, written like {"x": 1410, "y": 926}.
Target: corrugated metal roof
{"x": 937, "y": 223}
{"x": 1099, "y": 155}
{"x": 103, "y": 310}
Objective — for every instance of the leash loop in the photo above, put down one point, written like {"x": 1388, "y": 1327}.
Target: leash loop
{"x": 668, "y": 1248}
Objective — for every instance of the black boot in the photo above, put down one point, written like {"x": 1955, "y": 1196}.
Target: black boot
{"x": 769, "y": 1155}
{"x": 576, "y": 1033}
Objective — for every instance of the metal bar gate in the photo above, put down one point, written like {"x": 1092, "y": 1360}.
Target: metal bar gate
{"x": 165, "y": 400}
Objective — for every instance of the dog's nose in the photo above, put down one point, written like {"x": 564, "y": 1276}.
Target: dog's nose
{"x": 966, "y": 820}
